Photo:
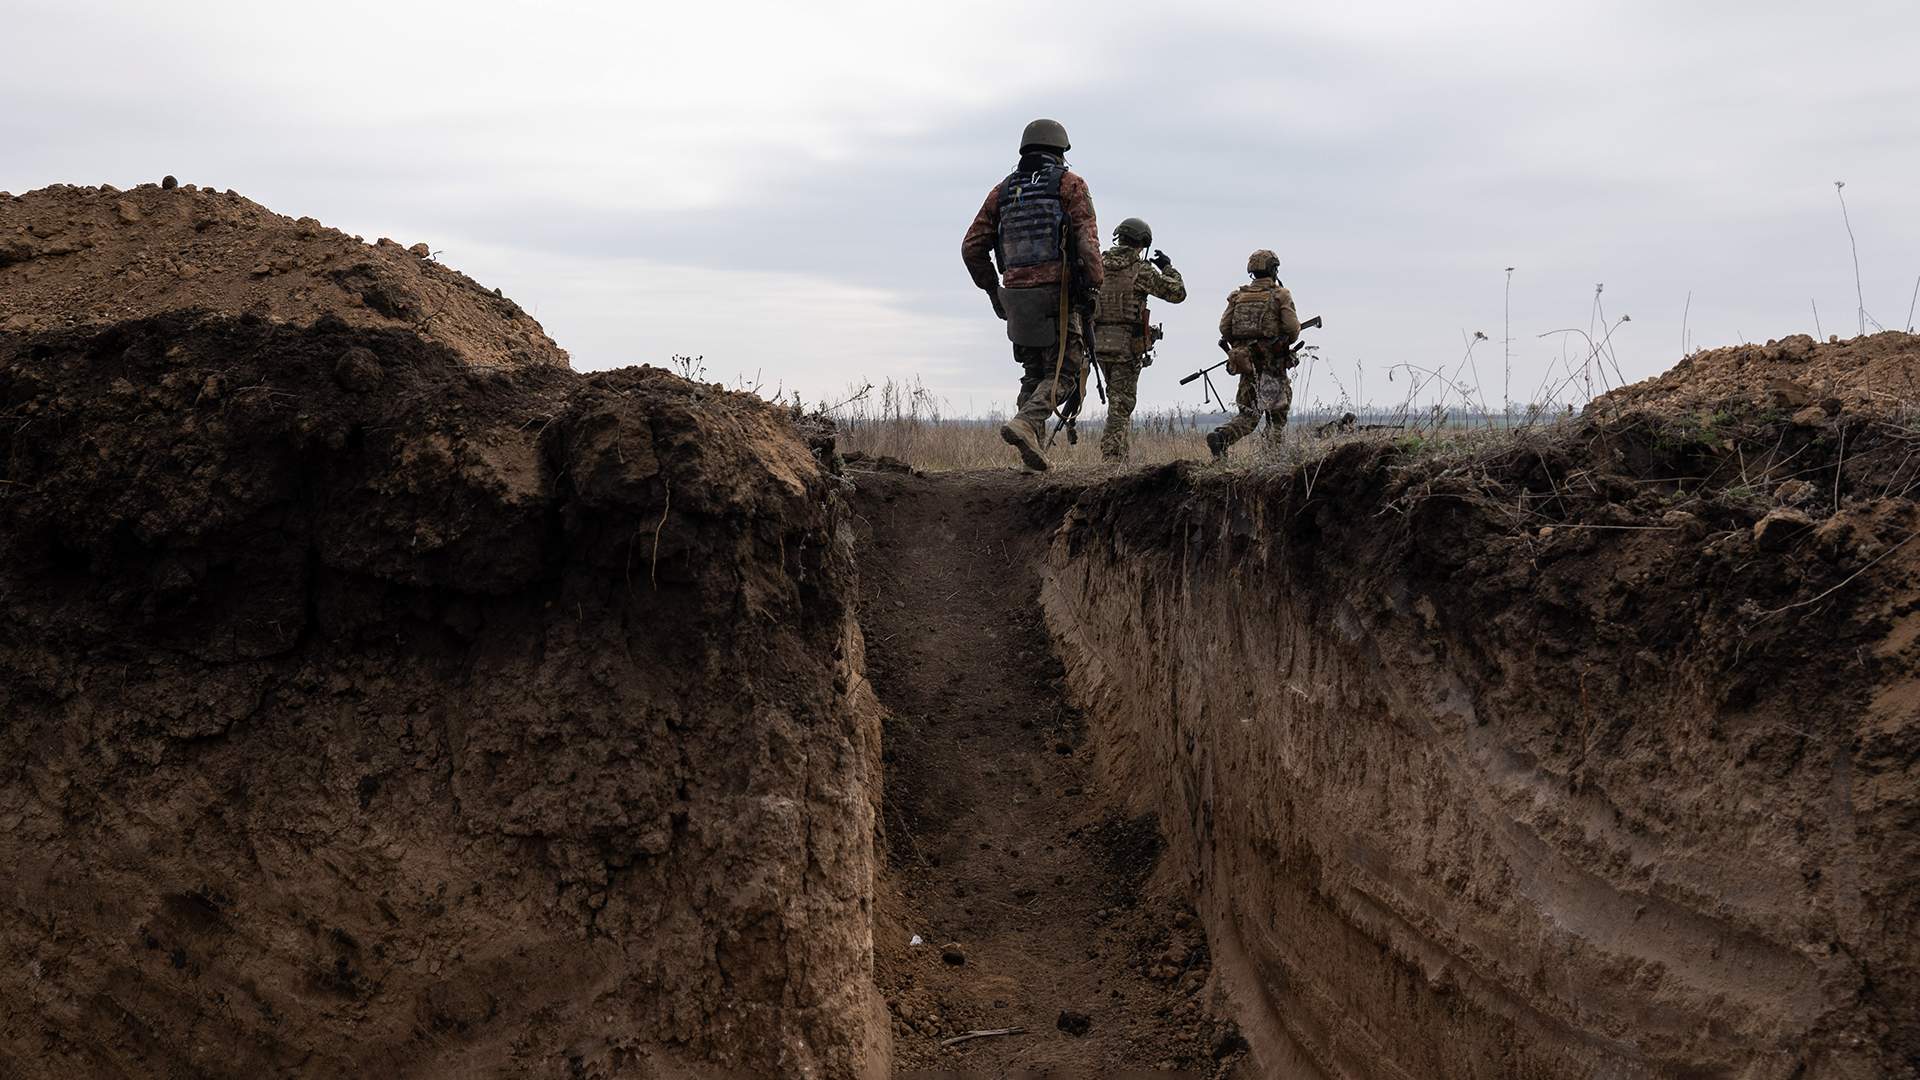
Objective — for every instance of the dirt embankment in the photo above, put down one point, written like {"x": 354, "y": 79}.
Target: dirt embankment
{"x": 1592, "y": 755}
{"x": 1877, "y": 372}
{"x": 364, "y": 712}
{"x": 94, "y": 256}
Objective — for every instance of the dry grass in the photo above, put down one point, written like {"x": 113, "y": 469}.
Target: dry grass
{"x": 905, "y": 421}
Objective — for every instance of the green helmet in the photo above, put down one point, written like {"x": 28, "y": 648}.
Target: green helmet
{"x": 1134, "y": 232}
{"x": 1045, "y": 135}
{"x": 1263, "y": 263}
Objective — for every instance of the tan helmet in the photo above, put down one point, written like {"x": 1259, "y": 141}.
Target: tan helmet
{"x": 1045, "y": 134}
{"x": 1263, "y": 263}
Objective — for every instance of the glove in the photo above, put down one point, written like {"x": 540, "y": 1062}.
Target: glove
{"x": 1162, "y": 260}
{"x": 993, "y": 297}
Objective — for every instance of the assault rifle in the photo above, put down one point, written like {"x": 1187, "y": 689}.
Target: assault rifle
{"x": 1068, "y": 409}
{"x": 1214, "y": 395}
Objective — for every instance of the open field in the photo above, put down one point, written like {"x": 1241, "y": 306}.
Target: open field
{"x": 904, "y": 421}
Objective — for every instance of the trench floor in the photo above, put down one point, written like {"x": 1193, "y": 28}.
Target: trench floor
{"x": 1038, "y": 898}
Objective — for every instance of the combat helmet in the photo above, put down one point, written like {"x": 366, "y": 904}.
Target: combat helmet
{"x": 1044, "y": 134}
{"x": 1134, "y": 233}
{"x": 1263, "y": 263}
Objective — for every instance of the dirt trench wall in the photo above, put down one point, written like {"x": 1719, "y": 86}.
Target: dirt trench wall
{"x": 366, "y": 714}
{"x": 1465, "y": 799}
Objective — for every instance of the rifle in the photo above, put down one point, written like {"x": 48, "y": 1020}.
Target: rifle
{"x": 1203, "y": 372}
{"x": 1069, "y": 409}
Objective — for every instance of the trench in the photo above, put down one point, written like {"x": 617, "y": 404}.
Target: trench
{"x": 1342, "y": 780}
{"x": 1040, "y": 900}
{"x": 518, "y": 724}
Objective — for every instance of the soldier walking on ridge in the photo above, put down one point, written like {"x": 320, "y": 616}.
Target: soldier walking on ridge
{"x": 1038, "y": 226}
{"x": 1122, "y": 334}
{"x": 1258, "y": 330}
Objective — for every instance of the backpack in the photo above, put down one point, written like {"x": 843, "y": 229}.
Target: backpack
{"x": 1252, "y": 314}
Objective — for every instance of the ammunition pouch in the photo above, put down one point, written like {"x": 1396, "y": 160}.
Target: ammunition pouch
{"x": 1241, "y": 358}
{"x": 1245, "y": 357}
{"x": 1033, "y": 315}
{"x": 1115, "y": 339}
{"x": 1129, "y": 339}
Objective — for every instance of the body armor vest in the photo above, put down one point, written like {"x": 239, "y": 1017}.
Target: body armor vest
{"x": 1032, "y": 218}
{"x": 1121, "y": 303}
{"x": 1253, "y": 315}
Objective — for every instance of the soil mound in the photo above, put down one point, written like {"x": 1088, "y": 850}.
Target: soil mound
{"x": 1879, "y": 371}
{"x": 74, "y": 256}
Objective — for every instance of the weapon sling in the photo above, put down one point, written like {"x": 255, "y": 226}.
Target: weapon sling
{"x": 1060, "y": 353}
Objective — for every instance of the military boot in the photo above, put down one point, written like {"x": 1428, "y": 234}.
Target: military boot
{"x": 1019, "y": 434}
{"x": 1217, "y": 444}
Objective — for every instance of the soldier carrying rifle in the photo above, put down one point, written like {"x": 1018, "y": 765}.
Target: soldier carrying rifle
{"x": 1257, "y": 331}
{"x": 1038, "y": 226}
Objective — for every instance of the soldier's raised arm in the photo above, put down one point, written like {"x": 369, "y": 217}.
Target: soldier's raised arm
{"x": 1160, "y": 279}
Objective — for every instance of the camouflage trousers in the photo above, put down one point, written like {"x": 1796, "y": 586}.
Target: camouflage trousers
{"x": 1263, "y": 392}
{"x": 1123, "y": 390}
{"x": 1038, "y": 398}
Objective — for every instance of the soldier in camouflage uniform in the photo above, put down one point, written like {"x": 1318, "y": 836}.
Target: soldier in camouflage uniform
{"x": 1038, "y": 226}
{"x": 1258, "y": 330}
{"x": 1121, "y": 336}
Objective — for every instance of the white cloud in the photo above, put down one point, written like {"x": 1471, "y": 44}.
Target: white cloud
{"x": 780, "y": 331}
{"x": 822, "y": 159}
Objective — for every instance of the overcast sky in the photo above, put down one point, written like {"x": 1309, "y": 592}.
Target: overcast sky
{"x": 782, "y": 187}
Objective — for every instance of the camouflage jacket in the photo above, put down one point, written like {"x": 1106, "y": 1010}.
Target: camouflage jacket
{"x": 976, "y": 249}
{"x": 1129, "y": 280}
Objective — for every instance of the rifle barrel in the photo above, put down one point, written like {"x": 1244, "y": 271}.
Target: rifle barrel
{"x": 1308, "y": 325}
{"x": 1199, "y": 373}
